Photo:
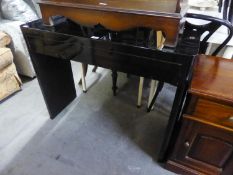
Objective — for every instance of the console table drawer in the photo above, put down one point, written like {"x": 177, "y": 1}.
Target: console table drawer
{"x": 213, "y": 112}
{"x": 202, "y": 149}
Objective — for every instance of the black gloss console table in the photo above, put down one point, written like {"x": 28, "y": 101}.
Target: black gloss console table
{"x": 52, "y": 47}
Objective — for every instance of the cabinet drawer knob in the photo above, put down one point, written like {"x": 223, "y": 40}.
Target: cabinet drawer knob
{"x": 187, "y": 144}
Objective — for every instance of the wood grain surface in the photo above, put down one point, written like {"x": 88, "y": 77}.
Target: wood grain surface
{"x": 159, "y": 15}
{"x": 213, "y": 79}
{"x": 145, "y": 6}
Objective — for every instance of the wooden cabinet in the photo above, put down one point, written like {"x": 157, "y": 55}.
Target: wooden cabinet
{"x": 202, "y": 148}
{"x": 205, "y": 141}
{"x": 213, "y": 112}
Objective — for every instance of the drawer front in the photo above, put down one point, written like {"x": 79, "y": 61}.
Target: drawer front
{"x": 213, "y": 112}
{"x": 203, "y": 148}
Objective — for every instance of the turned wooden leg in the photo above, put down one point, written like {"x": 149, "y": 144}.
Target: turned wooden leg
{"x": 84, "y": 72}
{"x": 153, "y": 87}
{"x": 114, "y": 82}
{"x": 84, "y": 68}
{"x": 159, "y": 88}
{"x": 140, "y": 89}
{"x": 94, "y": 69}
{"x": 228, "y": 52}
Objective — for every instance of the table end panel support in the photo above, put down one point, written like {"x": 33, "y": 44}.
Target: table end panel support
{"x": 56, "y": 81}
{"x": 173, "y": 124}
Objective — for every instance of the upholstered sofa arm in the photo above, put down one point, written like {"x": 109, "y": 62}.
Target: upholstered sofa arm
{"x": 20, "y": 52}
{"x": 6, "y": 57}
{"x": 4, "y": 39}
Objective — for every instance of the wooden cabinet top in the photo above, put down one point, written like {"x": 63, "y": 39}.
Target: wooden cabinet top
{"x": 169, "y": 8}
{"x": 213, "y": 79}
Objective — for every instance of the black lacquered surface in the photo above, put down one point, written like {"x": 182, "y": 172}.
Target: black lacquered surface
{"x": 126, "y": 51}
{"x": 132, "y": 51}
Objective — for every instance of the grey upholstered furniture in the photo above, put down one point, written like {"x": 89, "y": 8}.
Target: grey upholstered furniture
{"x": 13, "y": 14}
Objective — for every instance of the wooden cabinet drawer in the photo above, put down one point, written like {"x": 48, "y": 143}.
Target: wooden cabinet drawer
{"x": 202, "y": 149}
{"x": 213, "y": 112}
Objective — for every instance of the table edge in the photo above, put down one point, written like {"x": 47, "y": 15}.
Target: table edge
{"x": 111, "y": 9}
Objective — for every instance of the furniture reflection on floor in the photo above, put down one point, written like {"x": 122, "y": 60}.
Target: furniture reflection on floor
{"x": 9, "y": 79}
{"x": 205, "y": 142}
{"x": 211, "y": 27}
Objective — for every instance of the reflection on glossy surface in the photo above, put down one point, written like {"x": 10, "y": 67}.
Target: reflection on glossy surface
{"x": 99, "y": 46}
{"x": 213, "y": 78}
{"x": 140, "y": 36}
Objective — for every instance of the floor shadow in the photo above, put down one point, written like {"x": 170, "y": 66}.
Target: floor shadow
{"x": 145, "y": 129}
{"x": 96, "y": 134}
{"x": 26, "y": 79}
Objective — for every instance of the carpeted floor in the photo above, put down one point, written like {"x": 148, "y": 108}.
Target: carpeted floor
{"x": 96, "y": 134}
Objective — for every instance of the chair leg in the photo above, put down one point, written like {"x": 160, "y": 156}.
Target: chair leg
{"x": 228, "y": 52}
{"x": 159, "y": 88}
{"x": 114, "y": 82}
{"x": 220, "y": 6}
{"x": 84, "y": 70}
{"x": 140, "y": 89}
{"x": 94, "y": 69}
{"x": 208, "y": 49}
{"x": 153, "y": 87}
